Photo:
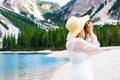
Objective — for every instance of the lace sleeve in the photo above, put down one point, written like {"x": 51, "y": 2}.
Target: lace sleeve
{"x": 93, "y": 40}
{"x": 91, "y": 47}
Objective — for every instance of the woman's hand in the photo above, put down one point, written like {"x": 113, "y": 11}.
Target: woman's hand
{"x": 89, "y": 28}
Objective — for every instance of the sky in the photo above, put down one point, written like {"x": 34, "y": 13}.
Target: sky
{"x": 60, "y": 2}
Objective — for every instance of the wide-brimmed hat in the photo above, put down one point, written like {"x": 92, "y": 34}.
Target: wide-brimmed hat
{"x": 75, "y": 25}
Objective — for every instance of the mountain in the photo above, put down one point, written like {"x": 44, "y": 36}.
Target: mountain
{"x": 10, "y": 13}
{"x": 13, "y": 22}
{"x": 26, "y": 7}
{"x": 94, "y": 8}
{"x": 99, "y": 10}
{"x": 32, "y": 18}
{"x": 30, "y": 8}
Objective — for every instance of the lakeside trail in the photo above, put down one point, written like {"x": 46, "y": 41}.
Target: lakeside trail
{"x": 106, "y": 65}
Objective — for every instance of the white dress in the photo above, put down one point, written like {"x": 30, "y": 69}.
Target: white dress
{"x": 79, "y": 52}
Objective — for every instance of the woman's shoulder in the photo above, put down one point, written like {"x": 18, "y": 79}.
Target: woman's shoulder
{"x": 76, "y": 40}
{"x": 75, "y": 43}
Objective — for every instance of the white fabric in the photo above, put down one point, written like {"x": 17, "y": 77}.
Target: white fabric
{"x": 79, "y": 52}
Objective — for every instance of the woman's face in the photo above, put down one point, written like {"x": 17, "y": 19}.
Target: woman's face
{"x": 90, "y": 24}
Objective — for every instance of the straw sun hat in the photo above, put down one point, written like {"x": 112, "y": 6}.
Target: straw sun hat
{"x": 75, "y": 25}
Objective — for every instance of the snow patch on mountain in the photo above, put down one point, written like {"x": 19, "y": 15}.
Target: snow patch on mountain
{"x": 12, "y": 29}
{"x": 32, "y": 8}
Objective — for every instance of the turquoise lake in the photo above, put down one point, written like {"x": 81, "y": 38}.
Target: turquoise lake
{"x": 22, "y": 66}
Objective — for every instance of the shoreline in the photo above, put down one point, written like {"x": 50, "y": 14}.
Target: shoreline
{"x": 29, "y": 52}
{"x": 60, "y": 53}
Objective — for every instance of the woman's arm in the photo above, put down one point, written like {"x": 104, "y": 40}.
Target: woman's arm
{"x": 91, "y": 45}
{"x": 89, "y": 48}
{"x": 92, "y": 39}
{"x": 90, "y": 36}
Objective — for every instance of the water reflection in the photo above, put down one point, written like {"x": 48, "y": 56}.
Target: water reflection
{"x": 10, "y": 67}
{"x": 28, "y": 67}
{"x": 1, "y": 67}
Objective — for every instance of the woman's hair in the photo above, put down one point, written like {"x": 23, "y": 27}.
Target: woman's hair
{"x": 83, "y": 31}
{"x": 81, "y": 34}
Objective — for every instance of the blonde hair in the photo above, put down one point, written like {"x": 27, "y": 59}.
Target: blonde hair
{"x": 81, "y": 34}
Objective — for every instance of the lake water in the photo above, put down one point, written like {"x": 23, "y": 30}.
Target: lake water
{"x": 28, "y": 66}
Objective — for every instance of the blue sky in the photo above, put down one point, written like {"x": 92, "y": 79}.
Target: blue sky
{"x": 60, "y": 2}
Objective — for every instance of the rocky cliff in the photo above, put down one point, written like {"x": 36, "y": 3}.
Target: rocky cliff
{"x": 114, "y": 12}
{"x": 97, "y": 9}
{"x": 26, "y": 7}
{"x": 17, "y": 3}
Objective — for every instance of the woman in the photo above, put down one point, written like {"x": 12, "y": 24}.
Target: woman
{"x": 81, "y": 44}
